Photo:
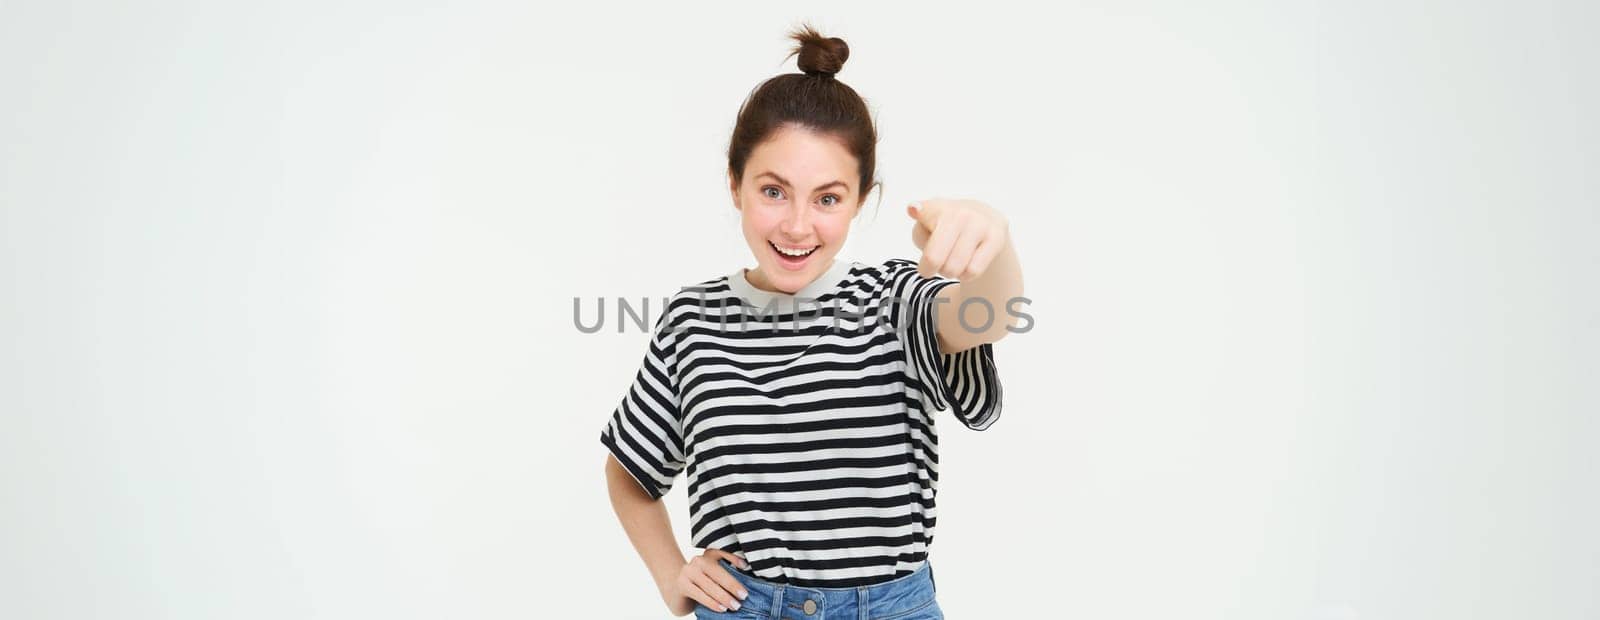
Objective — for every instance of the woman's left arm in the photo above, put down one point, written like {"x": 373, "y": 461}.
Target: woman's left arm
{"x": 969, "y": 241}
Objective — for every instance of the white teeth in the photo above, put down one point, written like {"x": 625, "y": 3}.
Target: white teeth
{"x": 789, "y": 252}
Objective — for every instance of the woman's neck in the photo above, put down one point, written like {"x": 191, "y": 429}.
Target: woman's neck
{"x": 758, "y": 279}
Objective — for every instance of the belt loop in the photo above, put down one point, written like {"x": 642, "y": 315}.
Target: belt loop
{"x": 861, "y": 603}
{"x": 777, "y": 601}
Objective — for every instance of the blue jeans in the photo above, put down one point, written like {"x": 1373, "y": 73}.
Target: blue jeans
{"x": 906, "y": 598}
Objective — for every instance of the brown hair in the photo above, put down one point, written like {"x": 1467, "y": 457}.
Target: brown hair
{"x": 811, "y": 99}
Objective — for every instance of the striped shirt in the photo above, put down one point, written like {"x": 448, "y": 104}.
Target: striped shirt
{"x": 805, "y": 421}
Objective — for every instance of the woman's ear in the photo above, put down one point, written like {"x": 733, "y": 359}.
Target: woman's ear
{"x": 733, "y": 190}
{"x": 862, "y": 200}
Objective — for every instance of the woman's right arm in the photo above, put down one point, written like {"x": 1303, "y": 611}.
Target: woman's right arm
{"x": 681, "y": 583}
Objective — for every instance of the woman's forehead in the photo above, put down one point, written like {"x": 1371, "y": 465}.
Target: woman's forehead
{"x": 803, "y": 157}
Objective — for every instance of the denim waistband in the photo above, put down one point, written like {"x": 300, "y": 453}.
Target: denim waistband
{"x": 899, "y": 597}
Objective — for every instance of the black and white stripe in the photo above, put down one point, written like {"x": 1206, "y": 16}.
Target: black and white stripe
{"x": 805, "y": 428}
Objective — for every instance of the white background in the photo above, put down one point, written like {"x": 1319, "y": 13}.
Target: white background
{"x": 287, "y": 299}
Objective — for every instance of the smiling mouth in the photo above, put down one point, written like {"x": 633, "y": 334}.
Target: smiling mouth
{"x": 793, "y": 253}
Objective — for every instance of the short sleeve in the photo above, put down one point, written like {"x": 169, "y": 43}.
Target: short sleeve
{"x": 965, "y": 382}
{"x": 645, "y": 432}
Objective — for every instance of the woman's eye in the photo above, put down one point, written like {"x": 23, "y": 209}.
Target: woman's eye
{"x": 830, "y": 200}
{"x": 772, "y": 192}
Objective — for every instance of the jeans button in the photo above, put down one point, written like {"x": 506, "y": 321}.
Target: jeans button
{"x": 811, "y": 607}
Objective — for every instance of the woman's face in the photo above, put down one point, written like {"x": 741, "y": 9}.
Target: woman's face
{"x": 797, "y": 198}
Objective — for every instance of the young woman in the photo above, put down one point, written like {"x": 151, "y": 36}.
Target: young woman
{"x": 800, "y": 396}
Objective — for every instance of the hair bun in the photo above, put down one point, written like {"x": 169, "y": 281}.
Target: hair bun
{"x": 819, "y": 55}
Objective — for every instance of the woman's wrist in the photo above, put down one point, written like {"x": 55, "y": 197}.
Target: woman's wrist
{"x": 666, "y": 576}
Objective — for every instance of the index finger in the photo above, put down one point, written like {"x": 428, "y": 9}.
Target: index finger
{"x": 937, "y": 251}
{"x": 710, "y": 582}
{"x": 726, "y": 579}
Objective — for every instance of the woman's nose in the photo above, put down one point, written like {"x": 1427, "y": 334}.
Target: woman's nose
{"x": 795, "y": 221}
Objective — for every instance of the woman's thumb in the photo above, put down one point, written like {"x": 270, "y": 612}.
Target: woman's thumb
{"x": 731, "y": 557}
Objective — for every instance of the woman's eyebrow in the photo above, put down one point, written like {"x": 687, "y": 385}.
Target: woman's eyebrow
{"x": 781, "y": 181}
{"x": 785, "y": 182}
